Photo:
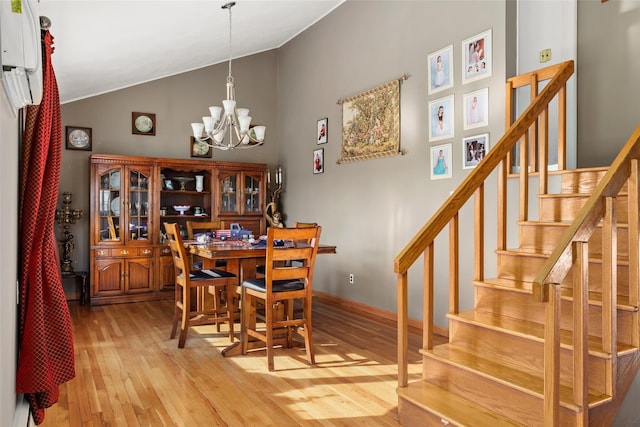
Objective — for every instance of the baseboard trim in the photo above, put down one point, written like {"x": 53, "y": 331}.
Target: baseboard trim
{"x": 374, "y": 313}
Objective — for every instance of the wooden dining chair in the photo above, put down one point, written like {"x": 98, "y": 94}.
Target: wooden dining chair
{"x": 282, "y": 284}
{"x": 195, "y": 227}
{"x": 192, "y": 313}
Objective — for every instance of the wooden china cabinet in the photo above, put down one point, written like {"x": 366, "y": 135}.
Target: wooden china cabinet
{"x": 131, "y": 197}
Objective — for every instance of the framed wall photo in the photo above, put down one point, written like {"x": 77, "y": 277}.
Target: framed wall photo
{"x": 78, "y": 138}
{"x": 474, "y": 148}
{"x": 476, "y": 109}
{"x": 476, "y": 57}
{"x": 318, "y": 160}
{"x": 323, "y": 131}
{"x": 440, "y": 71}
{"x": 441, "y": 124}
{"x": 143, "y": 123}
{"x": 200, "y": 149}
{"x": 441, "y": 161}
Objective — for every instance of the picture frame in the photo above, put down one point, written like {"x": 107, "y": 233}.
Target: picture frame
{"x": 476, "y": 109}
{"x": 440, "y": 161}
{"x": 143, "y": 123}
{"x": 318, "y": 160}
{"x": 440, "y": 70}
{"x": 474, "y": 149}
{"x": 476, "y": 57}
{"x": 322, "y": 133}
{"x": 441, "y": 118}
{"x": 78, "y": 138}
{"x": 200, "y": 149}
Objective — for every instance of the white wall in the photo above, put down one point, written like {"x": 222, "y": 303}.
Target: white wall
{"x": 8, "y": 259}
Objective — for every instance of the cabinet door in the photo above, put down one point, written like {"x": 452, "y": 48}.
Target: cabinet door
{"x": 137, "y": 204}
{"x": 107, "y": 277}
{"x": 138, "y": 276}
{"x": 167, "y": 272}
{"x": 109, "y": 200}
{"x": 252, "y": 193}
{"x": 228, "y": 193}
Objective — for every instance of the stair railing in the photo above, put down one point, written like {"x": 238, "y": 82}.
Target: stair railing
{"x": 572, "y": 251}
{"x": 499, "y": 157}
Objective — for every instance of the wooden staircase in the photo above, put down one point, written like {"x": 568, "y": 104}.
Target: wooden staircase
{"x": 553, "y": 339}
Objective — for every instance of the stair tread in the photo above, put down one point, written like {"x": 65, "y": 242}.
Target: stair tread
{"x": 531, "y": 330}
{"x": 452, "y": 407}
{"x": 595, "y": 298}
{"x": 527, "y": 381}
{"x": 544, "y": 253}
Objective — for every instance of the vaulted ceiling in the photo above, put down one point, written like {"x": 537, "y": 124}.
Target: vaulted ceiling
{"x": 105, "y": 45}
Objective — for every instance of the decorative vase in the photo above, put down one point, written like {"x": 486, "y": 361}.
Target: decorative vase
{"x": 199, "y": 182}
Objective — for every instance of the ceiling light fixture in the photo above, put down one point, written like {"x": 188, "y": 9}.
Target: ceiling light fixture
{"x": 215, "y": 126}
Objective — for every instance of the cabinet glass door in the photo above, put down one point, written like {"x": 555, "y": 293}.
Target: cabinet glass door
{"x": 251, "y": 194}
{"x": 110, "y": 205}
{"x": 228, "y": 193}
{"x": 138, "y": 205}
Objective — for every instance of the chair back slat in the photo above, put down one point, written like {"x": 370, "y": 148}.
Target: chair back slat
{"x": 195, "y": 227}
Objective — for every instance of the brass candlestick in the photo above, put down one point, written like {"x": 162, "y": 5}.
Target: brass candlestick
{"x": 274, "y": 217}
{"x": 65, "y": 217}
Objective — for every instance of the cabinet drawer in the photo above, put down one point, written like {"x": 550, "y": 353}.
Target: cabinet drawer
{"x": 164, "y": 251}
{"x": 123, "y": 252}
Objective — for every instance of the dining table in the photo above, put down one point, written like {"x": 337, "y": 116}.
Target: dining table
{"x": 241, "y": 258}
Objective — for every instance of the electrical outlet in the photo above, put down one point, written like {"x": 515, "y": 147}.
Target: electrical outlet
{"x": 545, "y": 55}
{"x": 351, "y": 279}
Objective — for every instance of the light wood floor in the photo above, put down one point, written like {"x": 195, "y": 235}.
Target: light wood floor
{"x": 128, "y": 373}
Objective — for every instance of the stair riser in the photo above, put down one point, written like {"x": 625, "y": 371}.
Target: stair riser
{"x": 522, "y": 306}
{"x": 546, "y": 237}
{"x": 585, "y": 182}
{"x": 521, "y": 351}
{"x": 566, "y": 209}
{"x": 501, "y": 398}
{"x": 525, "y": 268}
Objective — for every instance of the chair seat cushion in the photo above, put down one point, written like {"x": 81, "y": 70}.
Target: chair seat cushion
{"x": 210, "y": 274}
{"x": 278, "y": 285}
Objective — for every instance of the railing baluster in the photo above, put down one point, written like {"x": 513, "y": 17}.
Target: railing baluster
{"x": 403, "y": 331}
{"x": 524, "y": 178}
{"x": 454, "y": 265}
{"x": 509, "y": 109}
{"x": 633, "y": 191}
{"x": 543, "y": 153}
{"x": 427, "y": 328}
{"x": 580, "y": 328}
{"x": 533, "y": 130}
{"x": 562, "y": 128}
{"x": 502, "y": 204}
{"x": 552, "y": 357}
{"x": 610, "y": 290}
{"x": 478, "y": 231}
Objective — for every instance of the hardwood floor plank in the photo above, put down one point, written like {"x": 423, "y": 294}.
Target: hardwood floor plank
{"x": 129, "y": 373}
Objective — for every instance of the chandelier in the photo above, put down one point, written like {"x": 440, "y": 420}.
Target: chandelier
{"x": 213, "y": 128}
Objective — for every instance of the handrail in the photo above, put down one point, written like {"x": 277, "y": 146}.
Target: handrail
{"x": 474, "y": 180}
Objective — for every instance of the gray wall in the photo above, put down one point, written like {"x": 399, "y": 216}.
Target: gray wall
{"x": 176, "y": 101}
{"x": 608, "y": 83}
{"x": 371, "y": 209}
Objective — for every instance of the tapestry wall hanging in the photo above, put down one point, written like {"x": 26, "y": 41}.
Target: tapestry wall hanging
{"x": 371, "y": 123}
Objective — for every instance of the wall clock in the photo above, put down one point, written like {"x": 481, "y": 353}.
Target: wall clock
{"x": 78, "y": 138}
{"x": 143, "y": 123}
{"x": 200, "y": 149}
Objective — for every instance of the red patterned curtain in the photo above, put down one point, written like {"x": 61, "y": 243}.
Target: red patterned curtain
{"x": 46, "y": 357}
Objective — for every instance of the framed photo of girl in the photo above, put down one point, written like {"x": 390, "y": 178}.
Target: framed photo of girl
{"x": 440, "y": 69}
{"x": 476, "y": 57}
{"x": 476, "y": 109}
{"x": 441, "y": 161}
{"x": 474, "y": 148}
{"x": 441, "y": 124}
{"x": 318, "y": 160}
{"x": 323, "y": 131}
